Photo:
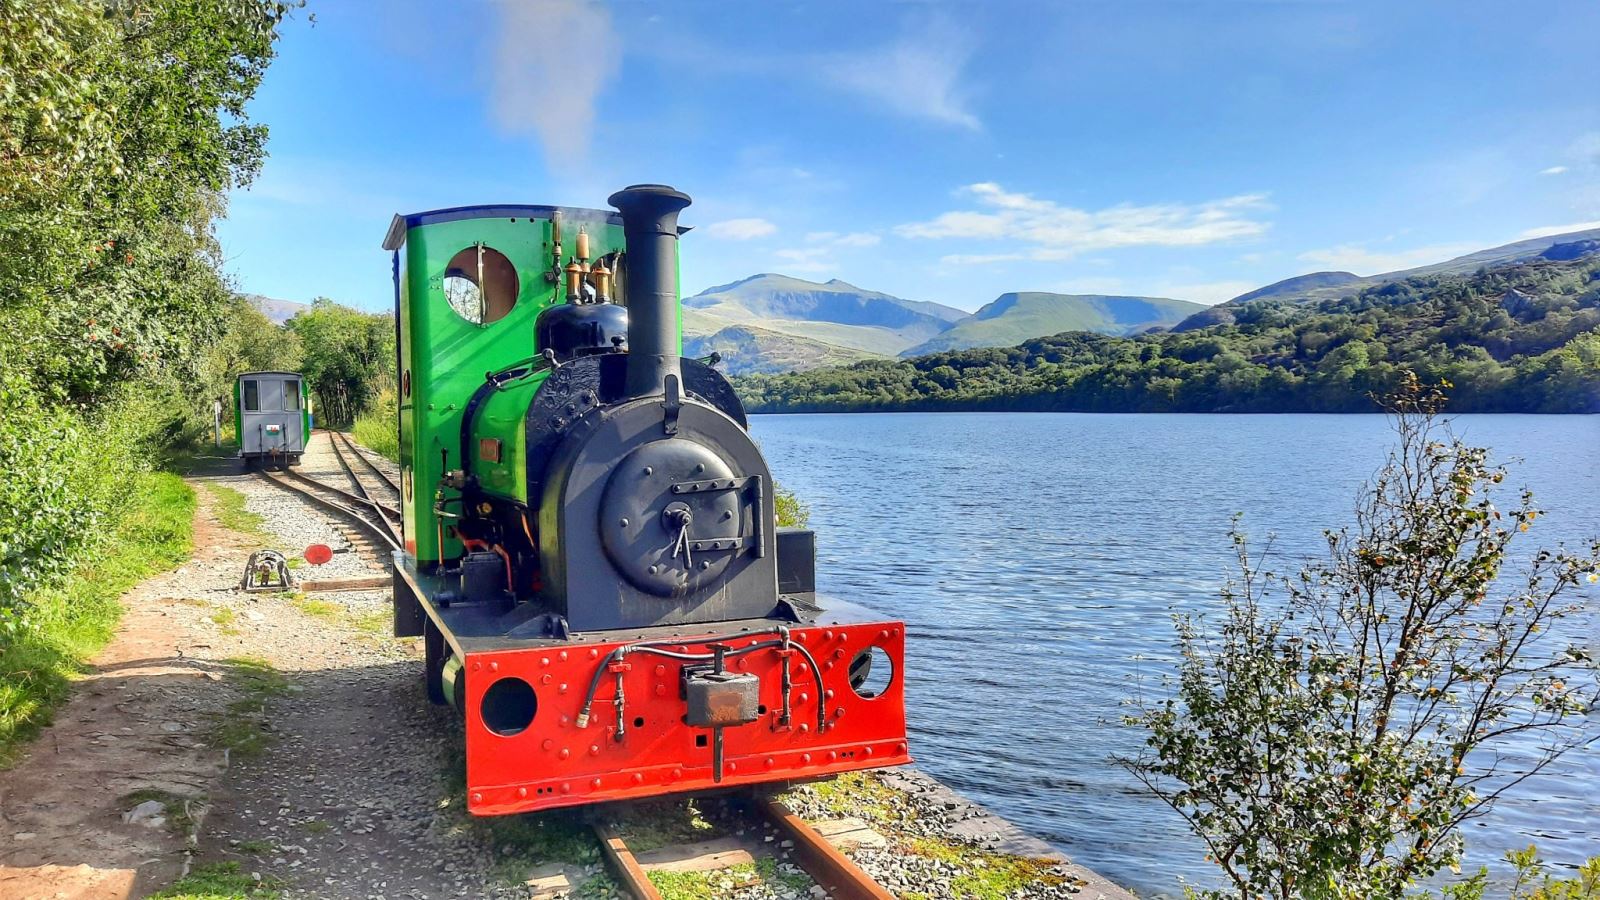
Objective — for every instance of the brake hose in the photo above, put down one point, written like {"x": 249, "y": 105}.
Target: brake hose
{"x": 656, "y": 648}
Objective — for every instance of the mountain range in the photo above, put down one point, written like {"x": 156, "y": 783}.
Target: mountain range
{"x": 279, "y": 311}
{"x": 1505, "y": 331}
{"x": 1334, "y": 285}
{"x": 776, "y": 323}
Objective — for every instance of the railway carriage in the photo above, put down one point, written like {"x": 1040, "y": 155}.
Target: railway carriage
{"x": 591, "y": 554}
{"x": 271, "y": 418}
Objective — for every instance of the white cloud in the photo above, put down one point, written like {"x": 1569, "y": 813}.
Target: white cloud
{"x": 1050, "y": 231}
{"x": 853, "y": 239}
{"x": 1363, "y": 261}
{"x": 916, "y": 75}
{"x": 981, "y": 259}
{"x": 740, "y": 229}
{"x": 1553, "y": 170}
{"x": 1548, "y": 230}
{"x": 543, "y": 93}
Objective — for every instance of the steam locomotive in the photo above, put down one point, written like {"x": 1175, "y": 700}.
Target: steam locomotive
{"x": 591, "y": 553}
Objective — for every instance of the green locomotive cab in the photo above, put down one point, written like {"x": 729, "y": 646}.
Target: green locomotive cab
{"x": 470, "y": 285}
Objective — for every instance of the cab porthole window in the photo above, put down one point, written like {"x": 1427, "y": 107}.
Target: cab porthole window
{"x": 480, "y": 284}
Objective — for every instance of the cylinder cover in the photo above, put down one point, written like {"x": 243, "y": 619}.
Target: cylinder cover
{"x": 652, "y": 533}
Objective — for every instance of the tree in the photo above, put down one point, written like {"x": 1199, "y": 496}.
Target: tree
{"x": 347, "y": 357}
{"x": 1332, "y": 734}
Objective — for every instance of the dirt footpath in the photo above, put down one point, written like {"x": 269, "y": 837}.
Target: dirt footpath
{"x": 290, "y": 725}
{"x": 133, "y": 731}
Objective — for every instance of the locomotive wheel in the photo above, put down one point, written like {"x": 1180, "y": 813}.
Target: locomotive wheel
{"x": 434, "y": 655}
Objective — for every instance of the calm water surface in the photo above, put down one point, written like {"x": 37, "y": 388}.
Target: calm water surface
{"x": 1037, "y": 559}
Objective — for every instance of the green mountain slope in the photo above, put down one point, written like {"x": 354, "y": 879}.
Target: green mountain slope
{"x": 750, "y": 349}
{"x": 1016, "y": 317}
{"x": 1516, "y": 337}
{"x": 1334, "y": 285}
{"x": 835, "y": 313}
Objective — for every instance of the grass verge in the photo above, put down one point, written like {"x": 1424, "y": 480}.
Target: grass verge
{"x": 375, "y": 429}
{"x": 74, "y": 619}
{"x": 232, "y": 514}
{"x": 221, "y": 881}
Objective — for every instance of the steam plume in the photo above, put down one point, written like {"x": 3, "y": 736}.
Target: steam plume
{"x": 552, "y": 59}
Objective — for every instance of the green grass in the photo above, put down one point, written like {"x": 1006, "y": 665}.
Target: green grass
{"x": 979, "y": 874}
{"x": 862, "y": 795}
{"x": 239, "y": 729}
{"x": 232, "y": 514}
{"x": 983, "y": 875}
{"x": 375, "y": 428}
{"x": 224, "y": 619}
{"x": 373, "y": 624}
{"x": 74, "y": 619}
{"x": 721, "y": 882}
{"x": 220, "y": 881}
{"x": 321, "y": 609}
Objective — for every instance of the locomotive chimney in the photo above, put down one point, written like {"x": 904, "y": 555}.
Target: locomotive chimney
{"x": 650, "y": 224}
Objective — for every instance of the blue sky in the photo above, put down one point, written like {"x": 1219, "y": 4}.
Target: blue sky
{"x": 937, "y": 151}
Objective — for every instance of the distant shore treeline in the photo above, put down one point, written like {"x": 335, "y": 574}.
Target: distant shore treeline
{"x": 1517, "y": 338}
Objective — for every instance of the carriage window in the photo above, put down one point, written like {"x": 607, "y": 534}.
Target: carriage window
{"x": 480, "y": 284}
{"x": 252, "y": 395}
{"x": 291, "y": 396}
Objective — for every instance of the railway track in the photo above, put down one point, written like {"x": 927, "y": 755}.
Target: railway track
{"x": 362, "y": 493}
{"x": 379, "y": 521}
{"x": 822, "y": 861}
{"x": 367, "y": 464}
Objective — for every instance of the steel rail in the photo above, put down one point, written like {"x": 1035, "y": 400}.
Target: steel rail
{"x": 371, "y": 466}
{"x": 827, "y": 866}
{"x": 382, "y": 530}
{"x": 822, "y": 861}
{"x": 387, "y": 512}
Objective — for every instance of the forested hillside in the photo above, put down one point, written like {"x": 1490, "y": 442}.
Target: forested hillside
{"x": 1518, "y": 338}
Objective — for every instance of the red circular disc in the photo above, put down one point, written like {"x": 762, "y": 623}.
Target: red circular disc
{"x": 317, "y": 554}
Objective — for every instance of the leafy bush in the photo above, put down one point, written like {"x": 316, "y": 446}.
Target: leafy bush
{"x": 72, "y": 615}
{"x": 63, "y": 476}
{"x": 1332, "y": 735}
{"x": 122, "y": 127}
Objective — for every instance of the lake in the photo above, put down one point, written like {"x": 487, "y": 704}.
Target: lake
{"x": 1037, "y": 559}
